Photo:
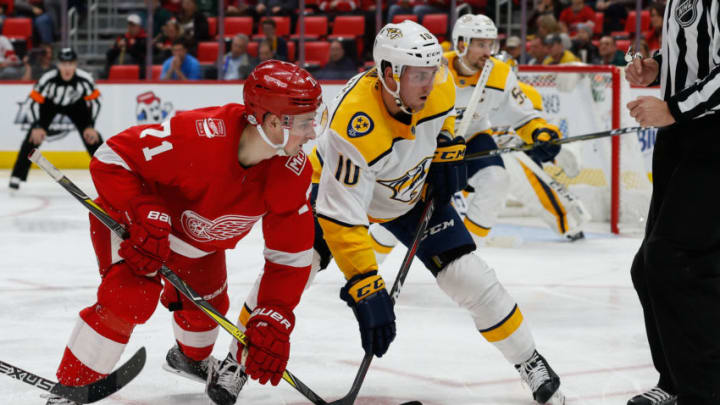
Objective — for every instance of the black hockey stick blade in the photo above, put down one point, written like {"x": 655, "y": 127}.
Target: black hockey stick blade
{"x": 428, "y": 210}
{"x": 84, "y": 394}
{"x": 524, "y": 148}
{"x": 37, "y": 158}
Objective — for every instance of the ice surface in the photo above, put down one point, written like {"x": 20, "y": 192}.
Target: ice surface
{"x": 577, "y": 297}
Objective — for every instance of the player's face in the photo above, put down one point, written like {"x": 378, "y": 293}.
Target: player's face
{"x": 478, "y": 52}
{"x": 416, "y": 83}
{"x": 67, "y": 70}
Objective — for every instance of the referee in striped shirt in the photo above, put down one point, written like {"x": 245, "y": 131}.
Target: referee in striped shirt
{"x": 65, "y": 90}
{"x": 676, "y": 272}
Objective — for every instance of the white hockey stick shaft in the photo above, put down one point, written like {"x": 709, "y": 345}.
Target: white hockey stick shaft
{"x": 474, "y": 103}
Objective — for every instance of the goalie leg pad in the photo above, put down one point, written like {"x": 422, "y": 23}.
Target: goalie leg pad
{"x": 491, "y": 185}
{"x": 473, "y": 285}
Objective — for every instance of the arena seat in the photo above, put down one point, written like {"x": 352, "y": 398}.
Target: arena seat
{"x": 207, "y": 52}
{"x": 238, "y": 25}
{"x": 18, "y": 28}
{"x": 124, "y": 72}
{"x": 317, "y": 53}
{"x": 316, "y": 27}
{"x": 398, "y": 18}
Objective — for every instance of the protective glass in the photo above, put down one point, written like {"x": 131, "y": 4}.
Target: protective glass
{"x": 312, "y": 124}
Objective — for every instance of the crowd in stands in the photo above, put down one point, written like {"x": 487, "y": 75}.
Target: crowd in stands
{"x": 338, "y": 38}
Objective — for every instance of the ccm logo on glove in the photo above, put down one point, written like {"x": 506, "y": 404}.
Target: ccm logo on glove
{"x": 272, "y": 314}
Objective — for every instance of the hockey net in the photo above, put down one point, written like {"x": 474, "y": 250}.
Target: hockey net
{"x": 613, "y": 182}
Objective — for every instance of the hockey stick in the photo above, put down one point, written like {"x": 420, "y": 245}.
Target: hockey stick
{"x": 529, "y": 146}
{"x": 84, "y": 394}
{"x": 428, "y": 209}
{"x": 37, "y": 158}
{"x": 475, "y": 97}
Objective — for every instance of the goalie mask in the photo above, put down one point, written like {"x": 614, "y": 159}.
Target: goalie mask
{"x": 472, "y": 26}
{"x": 289, "y": 92}
{"x": 404, "y": 45}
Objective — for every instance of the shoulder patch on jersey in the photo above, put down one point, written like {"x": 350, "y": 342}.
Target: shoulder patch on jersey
{"x": 296, "y": 163}
{"x": 210, "y": 127}
{"x": 360, "y": 124}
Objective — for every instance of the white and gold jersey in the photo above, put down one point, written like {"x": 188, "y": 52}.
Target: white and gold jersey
{"x": 373, "y": 165}
{"x": 503, "y": 96}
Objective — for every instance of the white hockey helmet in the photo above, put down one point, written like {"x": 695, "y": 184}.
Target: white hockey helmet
{"x": 472, "y": 26}
{"x": 406, "y": 44}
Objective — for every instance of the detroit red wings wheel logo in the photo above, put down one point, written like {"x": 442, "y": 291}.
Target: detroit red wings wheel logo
{"x": 226, "y": 227}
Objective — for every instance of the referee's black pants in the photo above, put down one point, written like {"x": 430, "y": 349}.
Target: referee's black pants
{"x": 79, "y": 114}
{"x": 676, "y": 272}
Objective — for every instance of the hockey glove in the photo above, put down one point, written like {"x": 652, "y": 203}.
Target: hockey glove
{"x": 373, "y": 308}
{"x": 268, "y": 331}
{"x": 448, "y": 171}
{"x": 543, "y": 151}
{"x": 148, "y": 246}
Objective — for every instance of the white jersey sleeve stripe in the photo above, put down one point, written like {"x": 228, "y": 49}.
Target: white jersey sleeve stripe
{"x": 105, "y": 154}
{"x": 299, "y": 259}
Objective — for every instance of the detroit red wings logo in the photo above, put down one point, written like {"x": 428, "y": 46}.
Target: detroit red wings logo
{"x": 226, "y": 227}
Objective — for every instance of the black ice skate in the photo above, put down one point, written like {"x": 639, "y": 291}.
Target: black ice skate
{"x": 656, "y": 396}
{"x": 542, "y": 380}
{"x": 56, "y": 400}
{"x": 14, "y": 184}
{"x": 179, "y": 363}
{"x": 226, "y": 382}
{"x": 572, "y": 237}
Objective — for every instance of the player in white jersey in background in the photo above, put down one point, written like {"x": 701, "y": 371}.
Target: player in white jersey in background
{"x": 504, "y": 102}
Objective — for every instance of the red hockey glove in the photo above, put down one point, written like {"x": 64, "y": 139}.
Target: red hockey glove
{"x": 269, "y": 333}
{"x": 148, "y": 246}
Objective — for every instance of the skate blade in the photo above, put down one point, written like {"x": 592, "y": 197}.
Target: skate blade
{"x": 556, "y": 399}
{"x": 192, "y": 377}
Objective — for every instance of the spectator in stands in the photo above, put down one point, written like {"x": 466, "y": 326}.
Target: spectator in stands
{"x": 174, "y": 6}
{"x": 161, "y": 16}
{"x": 538, "y": 51}
{"x": 644, "y": 49}
{"x": 340, "y": 66}
{"x": 547, "y": 24}
{"x": 3, "y": 14}
{"x": 194, "y": 23}
{"x": 615, "y": 12}
{"x": 181, "y": 66}
{"x": 654, "y": 35}
{"x": 171, "y": 31}
{"x": 38, "y": 61}
{"x": 238, "y": 8}
{"x": 543, "y": 8}
{"x": 577, "y": 13}
{"x": 514, "y": 49}
{"x": 582, "y": 43}
{"x": 424, "y": 7}
{"x": 10, "y": 65}
{"x": 265, "y": 51}
{"x": 558, "y": 54}
{"x": 609, "y": 54}
{"x": 208, "y": 7}
{"x": 276, "y": 7}
{"x": 128, "y": 49}
{"x": 278, "y": 44}
{"x": 42, "y": 21}
{"x": 238, "y": 63}
{"x": 337, "y": 6}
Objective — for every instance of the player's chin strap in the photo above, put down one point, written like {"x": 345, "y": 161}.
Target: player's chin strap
{"x": 396, "y": 96}
{"x": 461, "y": 59}
{"x": 280, "y": 147}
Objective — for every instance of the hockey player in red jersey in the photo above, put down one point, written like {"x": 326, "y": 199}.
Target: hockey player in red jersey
{"x": 188, "y": 189}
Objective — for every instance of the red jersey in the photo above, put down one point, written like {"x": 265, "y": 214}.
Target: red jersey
{"x": 190, "y": 163}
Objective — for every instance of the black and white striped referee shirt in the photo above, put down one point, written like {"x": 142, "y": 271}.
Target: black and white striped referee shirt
{"x": 690, "y": 58}
{"x": 54, "y": 93}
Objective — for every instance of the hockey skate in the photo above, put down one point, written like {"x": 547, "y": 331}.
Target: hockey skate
{"x": 56, "y": 400}
{"x": 226, "y": 382}
{"x": 656, "y": 396}
{"x": 14, "y": 185}
{"x": 542, "y": 380}
{"x": 177, "y": 362}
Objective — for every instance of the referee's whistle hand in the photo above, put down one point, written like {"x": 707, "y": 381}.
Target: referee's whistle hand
{"x": 642, "y": 72}
{"x": 650, "y": 112}
{"x": 37, "y": 136}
